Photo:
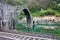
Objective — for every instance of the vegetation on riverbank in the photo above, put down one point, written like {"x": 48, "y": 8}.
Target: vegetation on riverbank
{"x": 46, "y": 12}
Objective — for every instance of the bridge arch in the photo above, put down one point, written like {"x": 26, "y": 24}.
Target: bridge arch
{"x": 28, "y": 15}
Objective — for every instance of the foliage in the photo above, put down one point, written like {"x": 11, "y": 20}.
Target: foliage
{"x": 22, "y": 15}
{"x": 36, "y": 13}
{"x": 14, "y": 2}
{"x": 34, "y": 7}
{"x": 56, "y": 6}
{"x": 58, "y": 1}
{"x": 57, "y": 13}
{"x": 50, "y": 11}
{"x": 46, "y": 12}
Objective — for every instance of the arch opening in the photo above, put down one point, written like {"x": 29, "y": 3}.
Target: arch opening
{"x": 28, "y": 18}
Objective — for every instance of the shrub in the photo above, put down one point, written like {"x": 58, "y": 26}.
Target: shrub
{"x": 50, "y": 12}
{"x": 47, "y": 12}
{"x": 22, "y": 15}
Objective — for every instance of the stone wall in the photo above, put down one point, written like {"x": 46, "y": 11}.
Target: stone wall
{"x": 9, "y": 16}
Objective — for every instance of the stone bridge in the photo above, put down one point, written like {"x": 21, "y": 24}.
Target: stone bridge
{"x": 9, "y": 16}
{"x": 8, "y": 19}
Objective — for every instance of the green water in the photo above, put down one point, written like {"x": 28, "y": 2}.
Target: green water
{"x": 39, "y": 29}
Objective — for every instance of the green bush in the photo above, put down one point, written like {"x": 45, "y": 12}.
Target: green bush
{"x": 22, "y": 15}
{"x": 50, "y": 12}
{"x": 36, "y": 13}
{"x": 43, "y": 13}
{"x": 59, "y": 9}
{"x": 47, "y": 12}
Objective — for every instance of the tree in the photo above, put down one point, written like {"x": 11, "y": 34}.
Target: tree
{"x": 58, "y": 1}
